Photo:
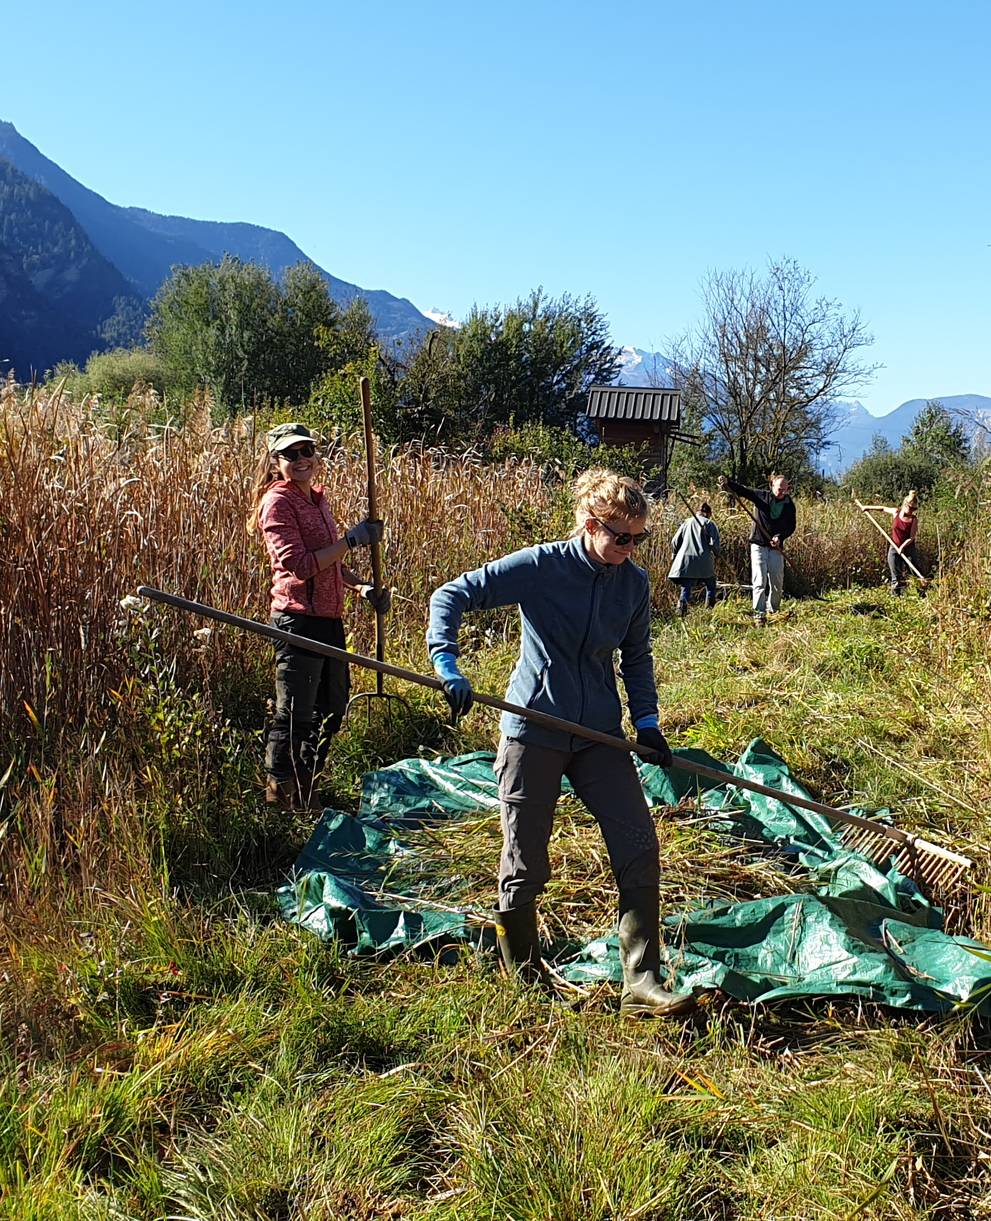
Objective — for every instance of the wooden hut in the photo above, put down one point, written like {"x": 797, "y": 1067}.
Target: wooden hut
{"x": 638, "y": 415}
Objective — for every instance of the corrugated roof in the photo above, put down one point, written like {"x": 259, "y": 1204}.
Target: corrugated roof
{"x": 634, "y": 403}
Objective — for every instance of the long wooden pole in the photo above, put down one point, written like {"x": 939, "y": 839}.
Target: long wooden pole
{"x": 684, "y": 501}
{"x": 906, "y": 839}
{"x": 376, "y": 548}
{"x": 890, "y": 541}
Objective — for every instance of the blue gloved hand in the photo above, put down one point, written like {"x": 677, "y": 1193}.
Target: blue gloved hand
{"x": 650, "y": 736}
{"x": 364, "y": 533}
{"x": 380, "y": 599}
{"x": 457, "y": 689}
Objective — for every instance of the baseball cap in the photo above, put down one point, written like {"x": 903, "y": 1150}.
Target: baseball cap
{"x": 282, "y": 436}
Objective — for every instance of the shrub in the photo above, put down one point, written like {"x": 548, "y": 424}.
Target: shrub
{"x": 888, "y": 476}
{"x": 556, "y": 449}
{"x": 115, "y": 374}
{"x": 112, "y": 375}
{"x": 561, "y": 455}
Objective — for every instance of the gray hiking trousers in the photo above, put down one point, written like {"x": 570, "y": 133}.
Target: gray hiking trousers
{"x": 767, "y": 571}
{"x": 898, "y": 570}
{"x": 605, "y": 780}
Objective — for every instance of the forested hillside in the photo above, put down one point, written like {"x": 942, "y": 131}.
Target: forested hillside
{"x": 59, "y": 297}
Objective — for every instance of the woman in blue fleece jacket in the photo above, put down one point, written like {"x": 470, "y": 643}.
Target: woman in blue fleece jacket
{"x": 580, "y": 600}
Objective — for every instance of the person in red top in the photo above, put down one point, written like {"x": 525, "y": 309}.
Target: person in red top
{"x": 305, "y": 548}
{"x": 904, "y": 528}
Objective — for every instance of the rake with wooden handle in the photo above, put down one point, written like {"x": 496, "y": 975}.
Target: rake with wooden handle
{"x": 809, "y": 591}
{"x": 378, "y": 584}
{"x": 927, "y": 863}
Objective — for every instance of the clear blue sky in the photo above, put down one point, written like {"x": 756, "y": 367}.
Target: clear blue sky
{"x": 462, "y": 153}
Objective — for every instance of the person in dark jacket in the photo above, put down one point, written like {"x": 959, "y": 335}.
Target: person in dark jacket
{"x": 695, "y": 547}
{"x": 580, "y": 600}
{"x": 305, "y": 548}
{"x": 774, "y": 522}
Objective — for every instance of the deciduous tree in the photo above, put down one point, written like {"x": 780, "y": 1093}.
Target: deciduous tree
{"x": 765, "y": 363}
{"x": 231, "y": 327}
{"x": 531, "y": 362}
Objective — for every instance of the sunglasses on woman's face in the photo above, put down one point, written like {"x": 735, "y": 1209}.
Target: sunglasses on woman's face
{"x": 306, "y": 450}
{"x": 623, "y": 538}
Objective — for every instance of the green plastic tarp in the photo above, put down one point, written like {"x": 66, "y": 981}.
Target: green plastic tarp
{"x": 856, "y": 931}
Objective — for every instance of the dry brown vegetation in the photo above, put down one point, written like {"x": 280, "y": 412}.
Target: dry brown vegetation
{"x": 96, "y": 504}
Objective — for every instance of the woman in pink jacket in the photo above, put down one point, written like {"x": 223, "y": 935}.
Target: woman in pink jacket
{"x": 306, "y": 548}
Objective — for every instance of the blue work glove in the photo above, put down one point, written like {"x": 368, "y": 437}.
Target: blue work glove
{"x": 364, "y": 534}
{"x": 650, "y": 736}
{"x": 380, "y": 599}
{"x": 457, "y": 689}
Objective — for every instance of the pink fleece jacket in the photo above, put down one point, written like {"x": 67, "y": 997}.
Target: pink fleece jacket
{"x": 294, "y": 528}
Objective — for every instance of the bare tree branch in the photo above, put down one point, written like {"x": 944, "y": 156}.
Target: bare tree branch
{"x": 765, "y": 363}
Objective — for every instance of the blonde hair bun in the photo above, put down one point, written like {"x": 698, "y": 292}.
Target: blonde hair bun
{"x": 600, "y": 492}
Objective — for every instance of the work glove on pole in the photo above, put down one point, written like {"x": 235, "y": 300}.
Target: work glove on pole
{"x": 364, "y": 534}
{"x": 379, "y": 599}
{"x": 457, "y": 689}
{"x": 650, "y": 736}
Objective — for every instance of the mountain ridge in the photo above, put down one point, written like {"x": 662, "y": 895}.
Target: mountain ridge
{"x": 59, "y": 297}
{"x": 856, "y": 427}
{"x": 145, "y": 245}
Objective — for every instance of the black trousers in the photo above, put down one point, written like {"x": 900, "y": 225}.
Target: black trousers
{"x": 898, "y": 570}
{"x": 311, "y": 696}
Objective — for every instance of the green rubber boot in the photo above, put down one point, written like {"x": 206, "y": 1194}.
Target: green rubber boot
{"x": 640, "y": 954}
{"x": 519, "y": 945}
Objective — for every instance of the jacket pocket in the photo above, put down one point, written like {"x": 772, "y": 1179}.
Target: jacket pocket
{"x": 540, "y": 682}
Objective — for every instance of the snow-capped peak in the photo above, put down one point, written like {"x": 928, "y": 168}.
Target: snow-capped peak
{"x": 629, "y": 358}
{"x": 440, "y": 317}
{"x": 640, "y": 368}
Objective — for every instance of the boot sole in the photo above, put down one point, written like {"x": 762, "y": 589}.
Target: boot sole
{"x": 676, "y": 1008}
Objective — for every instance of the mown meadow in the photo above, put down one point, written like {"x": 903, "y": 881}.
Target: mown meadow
{"x": 172, "y": 1049}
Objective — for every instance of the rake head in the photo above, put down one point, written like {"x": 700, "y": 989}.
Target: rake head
{"x": 928, "y": 865}
{"x": 366, "y": 697}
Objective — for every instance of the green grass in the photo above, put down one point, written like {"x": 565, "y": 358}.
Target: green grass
{"x": 170, "y": 1049}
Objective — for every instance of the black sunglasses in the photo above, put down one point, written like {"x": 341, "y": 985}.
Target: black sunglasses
{"x": 623, "y": 538}
{"x": 295, "y": 452}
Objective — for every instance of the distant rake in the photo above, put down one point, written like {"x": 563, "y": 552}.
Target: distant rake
{"x": 926, "y": 863}
{"x": 923, "y": 580}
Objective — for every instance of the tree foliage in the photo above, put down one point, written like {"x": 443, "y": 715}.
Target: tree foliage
{"x": 763, "y": 366}
{"x": 935, "y": 444}
{"x": 113, "y": 375}
{"x": 886, "y": 475}
{"x": 229, "y": 326}
{"x": 532, "y": 362}
{"x": 304, "y": 324}
{"x": 937, "y": 437}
